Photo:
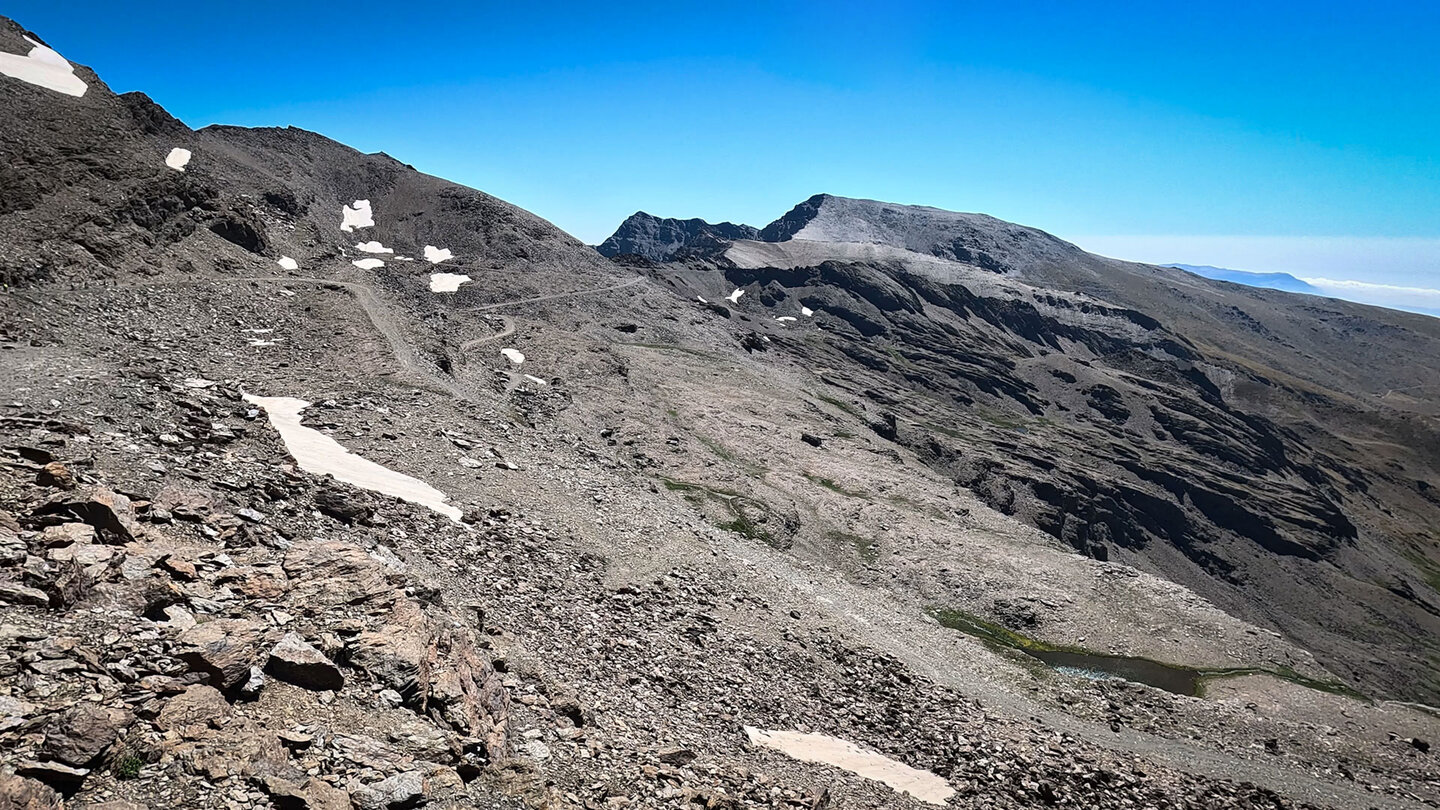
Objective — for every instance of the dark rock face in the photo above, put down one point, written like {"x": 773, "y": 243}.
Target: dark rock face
{"x": 661, "y": 240}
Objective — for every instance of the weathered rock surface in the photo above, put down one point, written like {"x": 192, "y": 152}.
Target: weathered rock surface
{"x": 224, "y": 649}
{"x": 296, "y": 661}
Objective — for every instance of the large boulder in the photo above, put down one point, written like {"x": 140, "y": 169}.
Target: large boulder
{"x": 79, "y": 736}
{"x": 295, "y": 661}
{"x": 225, "y": 649}
{"x": 197, "y": 708}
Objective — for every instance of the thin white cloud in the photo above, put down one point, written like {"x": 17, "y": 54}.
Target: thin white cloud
{"x": 1411, "y": 299}
{"x": 1407, "y": 261}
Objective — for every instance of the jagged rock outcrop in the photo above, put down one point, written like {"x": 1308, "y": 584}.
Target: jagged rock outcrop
{"x": 661, "y": 240}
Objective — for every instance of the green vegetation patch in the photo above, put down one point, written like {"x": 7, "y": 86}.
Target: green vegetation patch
{"x": 844, "y": 406}
{"x": 1170, "y": 677}
{"x": 834, "y": 487}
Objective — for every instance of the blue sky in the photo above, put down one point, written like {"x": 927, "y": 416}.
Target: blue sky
{"x": 1246, "y": 135}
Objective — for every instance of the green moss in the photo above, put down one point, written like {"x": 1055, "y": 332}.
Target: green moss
{"x": 746, "y": 528}
{"x": 716, "y": 448}
{"x": 127, "y": 767}
{"x": 867, "y": 549}
{"x": 834, "y": 487}
{"x": 844, "y": 406}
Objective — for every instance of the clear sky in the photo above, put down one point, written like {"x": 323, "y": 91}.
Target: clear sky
{"x": 1243, "y": 134}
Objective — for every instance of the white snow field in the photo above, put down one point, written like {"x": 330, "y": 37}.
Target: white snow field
{"x": 446, "y": 282}
{"x": 827, "y": 750}
{"x": 436, "y": 255}
{"x": 177, "y": 159}
{"x": 45, "y": 68}
{"x": 734, "y": 297}
{"x": 372, "y": 247}
{"x": 288, "y": 263}
{"x": 368, "y": 264}
{"x": 513, "y": 355}
{"x": 317, "y": 453}
{"x": 806, "y": 311}
{"x": 357, "y": 216}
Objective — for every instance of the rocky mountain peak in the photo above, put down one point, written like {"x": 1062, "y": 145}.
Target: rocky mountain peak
{"x": 660, "y": 239}
{"x": 977, "y": 239}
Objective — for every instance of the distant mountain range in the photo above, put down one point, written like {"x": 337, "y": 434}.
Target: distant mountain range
{"x": 1270, "y": 281}
{"x": 1419, "y": 300}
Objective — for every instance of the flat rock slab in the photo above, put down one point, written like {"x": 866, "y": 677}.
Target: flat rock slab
{"x": 295, "y": 661}
{"x": 198, "y": 707}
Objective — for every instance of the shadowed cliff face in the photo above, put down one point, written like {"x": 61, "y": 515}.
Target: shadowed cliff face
{"x": 1136, "y": 426}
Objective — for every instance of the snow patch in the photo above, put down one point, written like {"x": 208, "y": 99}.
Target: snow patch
{"x": 319, "y": 454}
{"x": 786, "y": 318}
{"x": 436, "y": 255}
{"x": 806, "y": 311}
{"x": 359, "y": 216}
{"x": 288, "y": 263}
{"x": 403, "y": 259}
{"x": 734, "y": 297}
{"x": 827, "y": 750}
{"x": 177, "y": 159}
{"x": 513, "y": 355}
{"x": 532, "y": 378}
{"x": 368, "y": 264}
{"x": 446, "y": 282}
{"x": 372, "y": 247}
{"x": 260, "y": 343}
{"x": 45, "y": 68}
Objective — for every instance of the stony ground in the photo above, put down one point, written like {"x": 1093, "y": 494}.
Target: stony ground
{"x": 191, "y": 621}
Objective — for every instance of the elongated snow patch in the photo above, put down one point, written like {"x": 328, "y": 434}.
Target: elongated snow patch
{"x": 317, "y": 453}
{"x": 513, "y": 355}
{"x": 734, "y": 297}
{"x": 359, "y": 216}
{"x": 288, "y": 263}
{"x": 372, "y": 247}
{"x": 45, "y": 68}
{"x": 532, "y": 378}
{"x": 786, "y": 318}
{"x": 368, "y": 264}
{"x": 446, "y": 282}
{"x": 827, "y": 750}
{"x": 436, "y": 255}
{"x": 177, "y": 159}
